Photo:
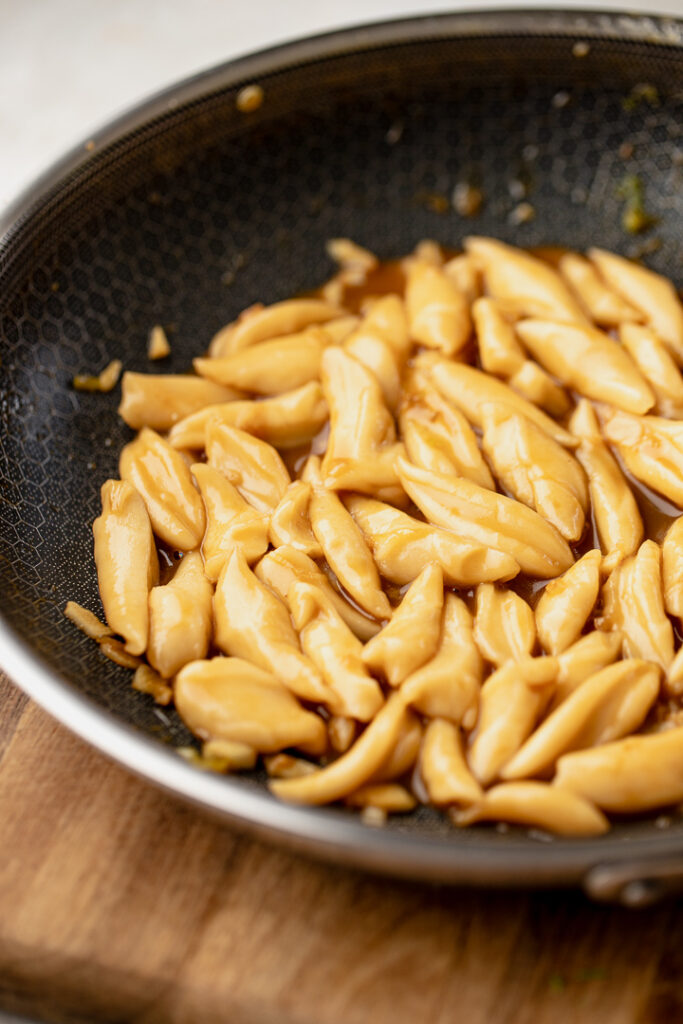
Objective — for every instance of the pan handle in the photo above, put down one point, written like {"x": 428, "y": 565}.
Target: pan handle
{"x": 635, "y": 883}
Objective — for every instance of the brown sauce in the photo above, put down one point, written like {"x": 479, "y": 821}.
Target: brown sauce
{"x": 169, "y": 560}
{"x": 658, "y": 514}
{"x": 386, "y": 279}
{"x": 551, "y": 254}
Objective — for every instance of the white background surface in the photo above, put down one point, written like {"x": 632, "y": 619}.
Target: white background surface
{"x": 66, "y": 66}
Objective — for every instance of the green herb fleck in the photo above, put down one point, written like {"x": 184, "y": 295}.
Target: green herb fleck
{"x": 556, "y": 983}
{"x": 635, "y": 217}
{"x": 643, "y": 92}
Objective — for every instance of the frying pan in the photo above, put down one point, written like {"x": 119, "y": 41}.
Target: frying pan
{"x": 186, "y": 210}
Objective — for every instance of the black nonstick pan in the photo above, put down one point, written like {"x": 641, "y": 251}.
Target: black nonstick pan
{"x": 187, "y": 210}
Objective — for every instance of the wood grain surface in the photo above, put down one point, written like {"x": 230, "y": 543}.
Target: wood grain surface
{"x": 119, "y": 904}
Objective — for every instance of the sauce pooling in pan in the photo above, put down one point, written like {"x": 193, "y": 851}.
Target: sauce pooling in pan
{"x": 420, "y": 539}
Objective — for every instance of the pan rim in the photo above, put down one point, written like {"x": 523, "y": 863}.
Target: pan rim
{"x": 346, "y": 841}
{"x": 589, "y": 22}
{"x": 326, "y": 834}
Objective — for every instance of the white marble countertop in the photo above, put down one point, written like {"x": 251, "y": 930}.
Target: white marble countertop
{"x": 67, "y": 66}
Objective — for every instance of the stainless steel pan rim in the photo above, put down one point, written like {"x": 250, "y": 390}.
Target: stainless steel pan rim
{"x": 588, "y": 23}
{"x": 345, "y": 840}
{"x": 609, "y": 867}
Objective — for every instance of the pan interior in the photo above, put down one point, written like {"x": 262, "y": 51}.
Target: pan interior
{"x": 199, "y": 211}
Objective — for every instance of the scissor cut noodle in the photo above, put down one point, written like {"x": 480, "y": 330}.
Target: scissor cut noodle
{"x": 489, "y": 519}
{"x": 262, "y": 323}
{"x": 499, "y": 351}
{"x": 469, "y": 389}
{"x": 523, "y": 282}
{"x": 272, "y": 367}
{"x": 504, "y": 626}
{"x": 447, "y": 686}
{"x": 605, "y": 707}
{"x": 160, "y": 400}
{"x": 536, "y": 470}
{"x": 653, "y": 296}
{"x": 589, "y": 654}
{"x": 335, "y": 651}
{"x": 127, "y": 563}
{"x": 510, "y": 705}
{"x": 404, "y": 752}
{"x": 589, "y": 361}
{"x": 253, "y": 466}
{"x": 231, "y": 522}
{"x": 286, "y": 421}
{"x": 443, "y": 767}
{"x": 252, "y": 621}
{"x": 537, "y": 805}
{"x": 538, "y": 387}
{"x": 230, "y": 699}
{"x": 604, "y": 306}
{"x": 180, "y": 618}
{"x": 657, "y": 366}
{"x": 566, "y": 602}
{"x": 615, "y": 511}
{"x": 437, "y": 435}
{"x": 403, "y": 547}
{"x": 290, "y": 522}
{"x": 346, "y": 552}
{"x": 412, "y": 635}
{"x": 438, "y": 312}
{"x": 162, "y": 478}
{"x": 633, "y": 603}
{"x": 281, "y": 567}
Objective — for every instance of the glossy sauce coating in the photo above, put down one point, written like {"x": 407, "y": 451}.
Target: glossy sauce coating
{"x": 455, "y": 494}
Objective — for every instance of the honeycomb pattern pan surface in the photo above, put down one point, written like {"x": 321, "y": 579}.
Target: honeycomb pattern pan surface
{"x": 187, "y": 210}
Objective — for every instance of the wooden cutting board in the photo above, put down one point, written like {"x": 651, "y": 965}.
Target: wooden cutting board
{"x": 117, "y": 904}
